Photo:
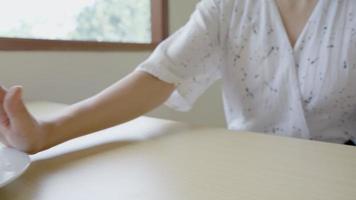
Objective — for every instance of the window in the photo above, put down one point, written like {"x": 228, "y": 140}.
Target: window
{"x": 82, "y": 24}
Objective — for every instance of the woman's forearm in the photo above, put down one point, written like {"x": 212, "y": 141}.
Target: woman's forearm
{"x": 136, "y": 94}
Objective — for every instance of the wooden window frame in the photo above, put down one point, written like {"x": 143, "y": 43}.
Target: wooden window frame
{"x": 159, "y": 22}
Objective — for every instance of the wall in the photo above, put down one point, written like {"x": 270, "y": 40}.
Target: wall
{"x": 67, "y": 77}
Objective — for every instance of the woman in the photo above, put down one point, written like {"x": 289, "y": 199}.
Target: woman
{"x": 288, "y": 68}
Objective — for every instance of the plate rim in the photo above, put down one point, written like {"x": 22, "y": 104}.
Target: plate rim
{"x": 20, "y": 172}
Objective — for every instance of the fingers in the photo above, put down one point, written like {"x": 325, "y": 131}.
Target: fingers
{"x": 4, "y": 120}
{"x": 14, "y": 106}
{"x": 3, "y": 117}
{"x": 3, "y": 140}
{"x": 2, "y": 93}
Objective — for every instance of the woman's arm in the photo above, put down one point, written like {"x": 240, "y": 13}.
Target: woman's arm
{"x": 134, "y": 95}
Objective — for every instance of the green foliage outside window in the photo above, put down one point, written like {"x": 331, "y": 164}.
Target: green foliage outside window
{"x": 100, "y": 20}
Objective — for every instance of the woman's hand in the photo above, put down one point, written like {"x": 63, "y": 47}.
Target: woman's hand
{"x": 18, "y": 128}
{"x": 134, "y": 95}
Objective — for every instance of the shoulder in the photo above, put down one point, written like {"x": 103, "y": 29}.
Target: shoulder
{"x": 227, "y": 7}
{"x": 223, "y": 4}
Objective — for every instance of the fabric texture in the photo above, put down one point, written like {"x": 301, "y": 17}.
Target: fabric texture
{"x": 307, "y": 90}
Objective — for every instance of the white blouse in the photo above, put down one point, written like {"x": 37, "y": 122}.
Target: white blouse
{"x": 305, "y": 91}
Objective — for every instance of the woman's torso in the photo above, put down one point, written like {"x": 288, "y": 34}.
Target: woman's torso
{"x": 307, "y": 90}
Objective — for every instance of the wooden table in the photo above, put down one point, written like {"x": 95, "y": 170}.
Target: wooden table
{"x": 154, "y": 159}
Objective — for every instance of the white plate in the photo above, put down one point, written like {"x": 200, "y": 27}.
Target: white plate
{"x": 12, "y": 164}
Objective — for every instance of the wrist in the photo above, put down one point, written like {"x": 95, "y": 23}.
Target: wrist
{"x": 48, "y": 135}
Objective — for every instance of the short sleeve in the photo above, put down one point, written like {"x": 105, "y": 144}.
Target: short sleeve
{"x": 190, "y": 58}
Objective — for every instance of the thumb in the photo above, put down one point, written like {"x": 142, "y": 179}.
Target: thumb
{"x": 3, "y": 117}
{"x": 13, "y": 104}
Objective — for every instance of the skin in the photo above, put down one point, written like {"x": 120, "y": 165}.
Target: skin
{"x": 134, "y": 95}
{"x": 295, "y": 14}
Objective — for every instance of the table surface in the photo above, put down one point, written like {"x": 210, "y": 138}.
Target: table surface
{"x": 154, "y": 159}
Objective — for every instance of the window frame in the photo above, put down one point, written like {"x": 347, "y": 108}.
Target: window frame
{"x": 159, "y": 22}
